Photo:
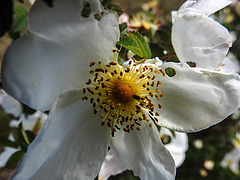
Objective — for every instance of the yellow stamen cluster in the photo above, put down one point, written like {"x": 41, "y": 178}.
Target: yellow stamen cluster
{"x": 120, "y": 95}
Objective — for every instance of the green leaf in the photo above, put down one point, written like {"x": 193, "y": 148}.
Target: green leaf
{"x": 14, "y": 159}
{"x": 131, "y": 44}
{"x": 135, "y": 42}
{"x": 143, "y": 45}
{"x": 8, "y": 143}
{"x": 20, "y": 18}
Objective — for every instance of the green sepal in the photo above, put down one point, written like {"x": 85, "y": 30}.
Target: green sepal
{"x": 14, "y": 159}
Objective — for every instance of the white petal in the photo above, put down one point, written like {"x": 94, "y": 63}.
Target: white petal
{"x": 229, "y": 65}
{"x": 54, "y": 57}
{"x": 71, "y": 144}
{"x": 111, "y": 166}
{"x": 178, "y": 145}
{"x": 143, "y": 152}
{"x": 200, "y": 39}
{"x": 207, "y": 6}
{"x": 9, "y": 104}
{"x": 196, "y": 99}
{"x": 179, "y": 158}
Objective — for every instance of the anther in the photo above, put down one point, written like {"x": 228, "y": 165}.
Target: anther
{"x": 99, "y": 70}
{"x": 136, "y": 97}
{"x": 127, "y": 70}
{"x": 112, "y": 106}
{"x": 159, "y": 83}
{"x": 163, "y": 73}
{"x": 89, "y": 82}
{"x": 157, "y": 90}
{"x": 105, "y": 110}
{"x": 91, "y": 64}
{"x": 98, "y": 100}
{"x": 106, "y": 93}
{"x": 115, "y": 50}
{"x": 84, "y": 98}
{"x": 112, "y": 63}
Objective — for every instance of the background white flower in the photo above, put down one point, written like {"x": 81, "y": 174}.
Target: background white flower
{"x": 232, "y": 158}
{"x": 197, "y": 37}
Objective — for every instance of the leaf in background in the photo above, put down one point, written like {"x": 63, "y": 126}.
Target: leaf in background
{"x": 6, "y": 13}
{"x": 135, "y": 42}
{"x": 106, "y": 2}
{"x": 116, "y": 8}
{"x": 19, "y": 138}
{"x": 48, "y": 2}
{"x": 122, "y": 27}
{"x": 14, "y": 159}
{"x": 8, "y": 143}
{"x": 20, "y": 18}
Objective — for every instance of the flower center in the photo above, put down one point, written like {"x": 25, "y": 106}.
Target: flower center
{"x": 122, "y": 96}
{"x": 123, "y": 92}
